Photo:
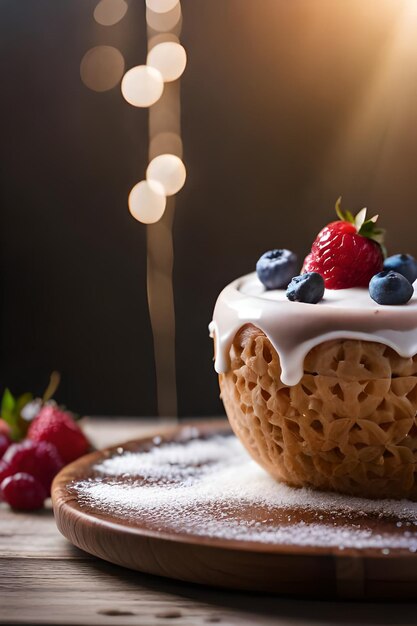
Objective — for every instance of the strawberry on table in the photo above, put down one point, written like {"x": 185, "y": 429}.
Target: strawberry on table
{"x": 4, "y": 443}
{"x": 4, "y": 428}
{"x": 58, "y": 427}
{"x": 348, "y": 252}
{"x": 37, "y": 438}
{"x": 4, "y": 470}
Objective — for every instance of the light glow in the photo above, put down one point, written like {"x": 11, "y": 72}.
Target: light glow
{"x": 160, "y": 38}
{"x": 165, "y": 142}
{"x": 169, "y": 171}
{"x": 142, "y": 86}
{"x": 382, "y": 115}
{"x": 410, "y": 10}
{"x": 164, "y": 22}
{"x": 169, "y": 58}
{"x": 147, "y": 202}
{"x": 102, "y": 68}
{"x": 109, "y": 12}
{"x": 161, "y": 6}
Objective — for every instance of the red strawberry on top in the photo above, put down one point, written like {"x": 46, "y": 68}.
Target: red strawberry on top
{"x": 59, "y": 428}
{"x": 347, "y": 253}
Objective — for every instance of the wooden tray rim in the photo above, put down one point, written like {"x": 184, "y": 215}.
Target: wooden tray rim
{"x": 64, "y": 501}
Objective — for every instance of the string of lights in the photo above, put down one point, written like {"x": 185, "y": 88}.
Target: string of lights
{"x": 153, "y": 85}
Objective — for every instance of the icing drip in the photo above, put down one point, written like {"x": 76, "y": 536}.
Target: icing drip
{"x": 294, "y": 328}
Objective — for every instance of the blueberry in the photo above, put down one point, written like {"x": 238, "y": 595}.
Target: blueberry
{"x": 276, "y": 268}
{"x": 308, "y": 288}
{"x": 390, "y": 287}
{"x": 404, "y": 264}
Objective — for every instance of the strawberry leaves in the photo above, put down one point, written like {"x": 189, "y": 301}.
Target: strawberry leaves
{"x": 53, "y": 385}
{"x": 365, "y": 227}
{"x": 20, "y": 411}
{"x": 11, "y": 412}
{"x": 345, "y": 216}
{"x": 360, "y": 218}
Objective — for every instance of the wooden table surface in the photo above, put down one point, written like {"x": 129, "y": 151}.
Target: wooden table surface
{"x": 45, "y": 580}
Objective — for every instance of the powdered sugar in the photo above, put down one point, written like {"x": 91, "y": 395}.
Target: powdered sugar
{"x": 211, "y": 488}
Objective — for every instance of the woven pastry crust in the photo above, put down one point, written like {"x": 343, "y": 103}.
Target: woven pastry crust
{"x": 349, "y": 425}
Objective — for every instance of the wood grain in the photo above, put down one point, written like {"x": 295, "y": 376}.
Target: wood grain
{"x": 293, "y": 569}
{"x": 45, "y": 580}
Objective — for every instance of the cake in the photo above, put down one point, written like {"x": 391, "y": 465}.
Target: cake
{"x": 324, "y": 395}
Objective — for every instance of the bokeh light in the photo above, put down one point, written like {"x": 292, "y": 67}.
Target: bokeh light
{"x": 109, "y": 12}
{"x": 147, "y": 202}
{"x": 169, "y": 58}
{"x": 169, "y": 171}
{"x": 165, "y": 142}
{"x": 163, "y": 22}
{"x": 161, "y": 6}
{"x": 142, "y": 86}
{"x": 102, "y": 68}
{"x": 160, "y": 38}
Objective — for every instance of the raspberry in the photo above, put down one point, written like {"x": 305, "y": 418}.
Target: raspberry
{"x": 59, "y": 428}
{"x": 346, "y": 253}
{"x": 22, "y": 491}
{"x": 40, "y": 459}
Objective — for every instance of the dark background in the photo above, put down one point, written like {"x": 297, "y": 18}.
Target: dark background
{"x": 286, "y": 104}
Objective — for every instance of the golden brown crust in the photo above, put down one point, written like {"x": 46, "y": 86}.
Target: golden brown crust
{"x": 349, "y": 425}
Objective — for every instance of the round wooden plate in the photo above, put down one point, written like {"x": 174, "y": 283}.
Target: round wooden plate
{"x": 213, "y": 560}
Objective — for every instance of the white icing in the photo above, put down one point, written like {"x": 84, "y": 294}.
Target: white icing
{"x": 294, "y": 328}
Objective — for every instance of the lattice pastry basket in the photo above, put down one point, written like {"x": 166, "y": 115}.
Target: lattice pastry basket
{"x": 349, "y": 425}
